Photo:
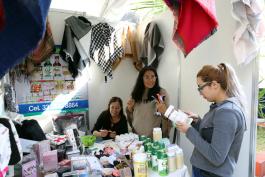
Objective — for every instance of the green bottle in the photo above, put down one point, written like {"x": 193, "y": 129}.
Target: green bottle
{"x": 154, "y": 160}
{"x": 142, "y": 137}
{"x": 162, "y": 163}
{"x": 149, "y": 156}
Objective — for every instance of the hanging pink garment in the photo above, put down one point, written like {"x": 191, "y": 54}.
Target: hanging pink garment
{"x": 196, "y": 21}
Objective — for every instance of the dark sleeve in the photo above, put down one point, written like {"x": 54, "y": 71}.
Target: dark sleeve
{"x": 100, "y": 122}
{"x": 196, "y": 125}
{"x": 165, "y": 122}
{"x": 129, "y": 117}
{"x": 123, "y": 127}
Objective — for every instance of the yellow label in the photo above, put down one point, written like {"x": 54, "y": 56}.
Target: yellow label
{"x": 140, "y": 169}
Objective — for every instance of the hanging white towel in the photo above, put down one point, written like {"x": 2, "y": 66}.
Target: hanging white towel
{"x": 248, "y": 13}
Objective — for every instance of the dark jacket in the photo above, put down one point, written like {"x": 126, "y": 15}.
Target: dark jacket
{"x": 104, "y": 122}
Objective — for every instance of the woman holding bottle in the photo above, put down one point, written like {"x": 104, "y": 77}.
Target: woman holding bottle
{"x": 141, "y": 108}
{"x": 217, "y": 137}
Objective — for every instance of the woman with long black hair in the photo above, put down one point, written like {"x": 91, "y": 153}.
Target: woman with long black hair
{"x": 112, "y": 121}
{"x": 141, "y": 108}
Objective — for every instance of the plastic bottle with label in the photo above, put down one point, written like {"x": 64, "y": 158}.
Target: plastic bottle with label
{"x": 157, "y": 134}
{"x": 172, "y": 163}
{"x": 179, "y": 158}
{"x": 154, "y": 159}
{"x": 162, "y": 164}
{"x": 140, "y": 165}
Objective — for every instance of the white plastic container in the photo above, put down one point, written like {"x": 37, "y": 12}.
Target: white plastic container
{"x": 172, "y": 162}
{"x": 179, "y": 158}
{"x": 157, "y": 134}
{"x": 140, "y": 165}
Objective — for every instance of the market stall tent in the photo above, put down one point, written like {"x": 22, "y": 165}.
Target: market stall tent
{"x": 176, "y": 73}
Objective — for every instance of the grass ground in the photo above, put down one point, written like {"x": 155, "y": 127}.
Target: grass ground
{"x": 260, "y": 146}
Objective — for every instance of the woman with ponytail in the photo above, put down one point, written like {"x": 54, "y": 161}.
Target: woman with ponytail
{"x": 217, "y": 137}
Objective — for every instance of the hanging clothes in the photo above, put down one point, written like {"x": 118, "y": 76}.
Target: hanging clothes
{"x": 104, "y": 49}
{"x": 249, "y": 14}
{"x": 153, "y": 45}
{"x": 16, "y": 150}
{"x": 191, "y": 29}
{"x": 5, "y": 150}
{"x": 74, "y": 27}
{"x": 45, "y": 46}
{"x": 132, "y": 38}
{"x": 9, "y": 98}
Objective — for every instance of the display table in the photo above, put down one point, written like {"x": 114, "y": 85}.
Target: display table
{"x": 183, "y": 172}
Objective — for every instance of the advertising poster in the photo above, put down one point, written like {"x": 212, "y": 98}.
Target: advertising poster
{"x": 51, "y": 88}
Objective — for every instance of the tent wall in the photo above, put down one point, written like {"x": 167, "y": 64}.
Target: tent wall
{"x": 214, "y": 50}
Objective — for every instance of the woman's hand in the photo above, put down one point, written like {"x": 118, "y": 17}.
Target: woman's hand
{"x": 195, "y": 117}
{"x": 130, "y": 105}
{"x": 113, "y": 134}
{"x": 161, "y": 107}
{"x": 104, "y": 133}
{"x": 182, "y": 126}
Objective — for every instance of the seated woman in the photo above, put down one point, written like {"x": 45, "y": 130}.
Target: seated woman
{"x": 112, "y": 121}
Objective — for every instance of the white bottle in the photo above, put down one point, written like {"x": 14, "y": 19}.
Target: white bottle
{"x": 176, "y": 116}
{"x": 140, "y": 165}
{"x": 157, "y": 134}
{"x": 179, "y": 158}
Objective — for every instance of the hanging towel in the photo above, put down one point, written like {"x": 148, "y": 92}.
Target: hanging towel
{"x": 25, "y": 23}
{"x": 250, "y": 28}
{"x": 153, "y": 45}
{"x": 196, "y": 22}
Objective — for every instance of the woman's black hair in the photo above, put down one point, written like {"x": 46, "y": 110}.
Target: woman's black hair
{"x": 139, "y": 87}
{"x": 116, "y": 99}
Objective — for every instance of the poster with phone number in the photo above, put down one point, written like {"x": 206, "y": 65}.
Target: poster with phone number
{"x": 51, "y": 88}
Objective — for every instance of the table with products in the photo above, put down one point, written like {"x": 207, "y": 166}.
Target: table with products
{"x": 126, "y": 156}
{"x": 183, "y": 172}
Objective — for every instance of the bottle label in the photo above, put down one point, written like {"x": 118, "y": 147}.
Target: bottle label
{"x": 140, "y": 169}
{"x": 154, "y": 161}
{"x": 162, "y": 165}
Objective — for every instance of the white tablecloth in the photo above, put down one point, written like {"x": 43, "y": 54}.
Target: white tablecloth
{"x": 183, "y": 172}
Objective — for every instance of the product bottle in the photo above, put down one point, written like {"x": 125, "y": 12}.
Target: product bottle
{"x": 162, "y": 164}
{"x": 171, "y": 157}
{"x": 140, "y": 165}
{"x": 149, "y": 156}
{"x": 179, "y": 158}
{"x": 154, "y": 160}
{"x": 157, "y": 134}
